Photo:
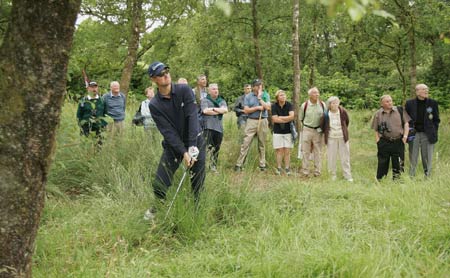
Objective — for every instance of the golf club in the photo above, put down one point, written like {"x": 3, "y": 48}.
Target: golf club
{"x": 193, "y": 152}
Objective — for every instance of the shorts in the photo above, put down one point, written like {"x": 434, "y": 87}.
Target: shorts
{"x": 282, "y": 141}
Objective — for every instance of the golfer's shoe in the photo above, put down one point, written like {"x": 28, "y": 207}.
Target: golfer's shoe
{"x": 149, "y": 214}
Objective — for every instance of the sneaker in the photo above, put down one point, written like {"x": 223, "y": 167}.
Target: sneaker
{"x": 278, "y": 171}
{"x": 288, "y": 171}
{"x": 333, "y": 178}
{"x": 262, "y": 168}
{"x": 149, "y": 214}
{"x": 350, "y": 180}
{"x": 237, "y": 168}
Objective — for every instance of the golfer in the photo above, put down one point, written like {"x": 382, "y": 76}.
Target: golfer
{"x": 175, "y": 113}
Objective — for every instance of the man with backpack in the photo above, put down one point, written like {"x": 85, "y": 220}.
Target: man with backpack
{"x": 391, "y": 133}
{"x": 310, "y": 114}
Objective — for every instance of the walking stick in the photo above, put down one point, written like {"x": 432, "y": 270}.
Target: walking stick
{"x": 259, "y": 121}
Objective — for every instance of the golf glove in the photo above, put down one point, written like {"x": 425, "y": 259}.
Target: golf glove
{"x": 193, "y": 152}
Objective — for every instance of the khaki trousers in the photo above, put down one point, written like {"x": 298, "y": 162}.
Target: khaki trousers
{"x": 336, "y": 147}
{"x": 311, "y": 137}
{"x": 251, "y": 129}
{"x": 116, "y": 127}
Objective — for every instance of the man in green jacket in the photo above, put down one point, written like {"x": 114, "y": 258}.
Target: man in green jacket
{"x": 91, "y": 112}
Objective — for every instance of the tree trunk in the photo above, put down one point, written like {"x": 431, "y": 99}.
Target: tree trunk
{"x": 33, "y": 65}
{"x": 256, "y": 29}
{"x": 135, "y": 11}
{"x": 296, "y": 58}
{"x": 312, "y": 75}
{"x": 412, "y": 53}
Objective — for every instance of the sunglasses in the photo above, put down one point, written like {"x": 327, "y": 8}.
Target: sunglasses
{"x": 162, "y": 73}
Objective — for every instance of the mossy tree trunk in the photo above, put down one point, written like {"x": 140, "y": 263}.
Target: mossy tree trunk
{"x": 136, "y": 22}
{"x": 33, "y": 65}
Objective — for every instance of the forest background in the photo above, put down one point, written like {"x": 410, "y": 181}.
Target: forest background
{"x": 357, "y": 53}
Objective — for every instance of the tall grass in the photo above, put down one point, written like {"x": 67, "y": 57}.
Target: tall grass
{"x": 250, "y": 224}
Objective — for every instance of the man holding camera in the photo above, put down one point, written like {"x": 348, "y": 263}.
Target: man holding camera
{"x": 391, "y": 133}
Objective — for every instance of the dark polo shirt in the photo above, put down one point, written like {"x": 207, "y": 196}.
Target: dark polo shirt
{"x": 176, "y": 118}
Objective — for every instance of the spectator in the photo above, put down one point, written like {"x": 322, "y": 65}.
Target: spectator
{"x": 335, "y": 129}
{"x": 391, "y": 132}
{"x": 149, "y": 123}
{"x": 256, "y": 106}
{"x": 90, "y": 113}
{"x": 239, "y": 108}
{"x": 213, "y": 108}
{"x": 424, "y": 113}
{"x": 115, "y": 102}
{"x": 282, "y": 116}
{"x": 310, "y": 113}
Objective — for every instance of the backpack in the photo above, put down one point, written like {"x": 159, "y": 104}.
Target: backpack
{"x": 306, "y": 106}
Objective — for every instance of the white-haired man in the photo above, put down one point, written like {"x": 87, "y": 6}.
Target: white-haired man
{"x": 115, "y": 103}
{"x": 310, "y": 113}
{"x": 424, "y": 113}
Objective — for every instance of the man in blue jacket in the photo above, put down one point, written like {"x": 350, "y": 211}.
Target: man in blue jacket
{"x": 175, "y": 113}
{"x": 424, "y": 113}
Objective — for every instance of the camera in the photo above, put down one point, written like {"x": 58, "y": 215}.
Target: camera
{"x": 383, "y": 127}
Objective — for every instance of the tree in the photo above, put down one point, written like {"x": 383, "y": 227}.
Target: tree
{"x": 256, "y": 43}
{"x": 136, "y": 23}
{"x": 33, "y": 64}
{"x": 296, "y": 57}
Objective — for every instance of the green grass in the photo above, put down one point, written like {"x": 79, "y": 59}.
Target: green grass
{"x": 247, "y": 225}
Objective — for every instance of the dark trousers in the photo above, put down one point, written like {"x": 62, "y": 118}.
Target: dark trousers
{"x": 213, "y": 141}
{"x": 390, "y": 151}
{"x": 170, "y": 162}
{"x": 87, "y": 129}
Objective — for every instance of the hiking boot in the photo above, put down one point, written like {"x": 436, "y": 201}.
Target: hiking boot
{"x": 278, "y": 171}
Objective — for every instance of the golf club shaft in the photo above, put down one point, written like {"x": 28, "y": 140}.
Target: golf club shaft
{"x": 176, "y": 192}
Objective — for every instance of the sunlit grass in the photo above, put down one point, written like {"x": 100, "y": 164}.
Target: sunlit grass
{"x": 249, "y": 224}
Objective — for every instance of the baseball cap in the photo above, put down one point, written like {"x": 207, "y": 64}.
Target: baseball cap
{"x": 92, "y": 84}
{"x": 156, "y": 68}
{"x": 256, "y": 82}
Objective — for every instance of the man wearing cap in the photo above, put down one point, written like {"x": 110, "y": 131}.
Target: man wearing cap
{"x": 176, "y": 116}
{"x": 115, "y": 102}
{"x": 256, "y": 106}
{"x": 90, "y": 112}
